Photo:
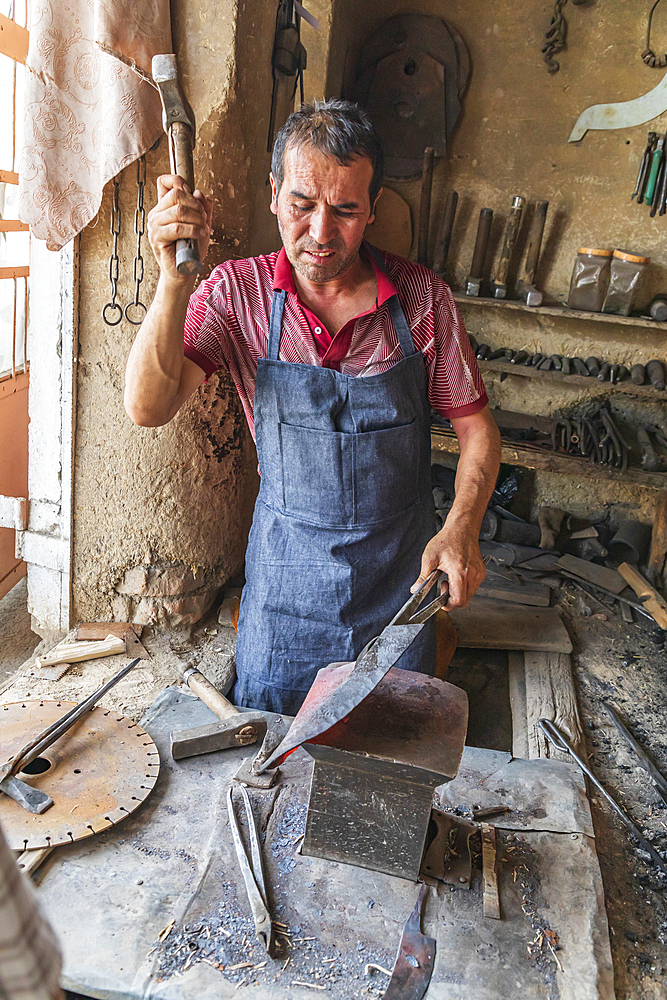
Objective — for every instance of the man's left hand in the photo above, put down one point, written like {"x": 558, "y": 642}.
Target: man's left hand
{"x": 454, "y": 551}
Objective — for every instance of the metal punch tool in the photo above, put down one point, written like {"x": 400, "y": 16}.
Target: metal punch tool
{"x": 252, "y": 869}
{"x": 553, "y": 733}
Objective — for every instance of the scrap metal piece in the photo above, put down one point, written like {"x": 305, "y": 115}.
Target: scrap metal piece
{"x": 415, "y": 959}
{"x": 491, "y": 898}
{"x": 98, "y": 772}
{"x": 645, "y": 761}
{"x": 447, "y": 855}
{"x": 553, "y": 733}
{"x": 623, "y": 114}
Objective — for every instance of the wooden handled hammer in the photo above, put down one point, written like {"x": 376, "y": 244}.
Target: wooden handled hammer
{"x": 180, "y": 128}
{"x": 235, "y": 729}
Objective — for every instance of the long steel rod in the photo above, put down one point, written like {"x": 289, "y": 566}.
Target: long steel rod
{"x": 60, "y": 726}
{"x": 553, "y": 733}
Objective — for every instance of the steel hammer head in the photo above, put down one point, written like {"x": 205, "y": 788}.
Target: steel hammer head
{"x": 238, "y": 731}
{"x": 165, "y": 75}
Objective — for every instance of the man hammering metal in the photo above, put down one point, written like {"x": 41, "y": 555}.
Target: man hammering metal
{"x": 338, "y": 352}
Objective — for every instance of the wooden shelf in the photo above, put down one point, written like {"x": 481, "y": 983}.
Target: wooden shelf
{"x": 562, "y": 312}
{"x": 579, "y": 381}
{"x": 549, "y": 461}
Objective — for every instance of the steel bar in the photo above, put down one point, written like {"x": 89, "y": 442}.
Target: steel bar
{"x": 553, "y": 733}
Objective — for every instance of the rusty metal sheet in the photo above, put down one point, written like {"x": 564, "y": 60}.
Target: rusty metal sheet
{"x": 98, "y": 773}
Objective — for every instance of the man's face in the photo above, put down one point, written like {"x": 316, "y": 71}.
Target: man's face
{"x": 323, "y": 209}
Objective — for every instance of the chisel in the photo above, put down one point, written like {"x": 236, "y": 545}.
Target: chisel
{"x": 499, "y": 283}
{"x": 474, "y": 279}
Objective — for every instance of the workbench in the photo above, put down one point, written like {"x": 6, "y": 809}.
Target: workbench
{"x": 156, "y": 907}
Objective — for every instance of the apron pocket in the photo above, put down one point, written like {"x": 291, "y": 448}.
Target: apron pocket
{"x": 386, "y": 472}
{"x": 317, "y": 475}
{"x": 349, "y": 480}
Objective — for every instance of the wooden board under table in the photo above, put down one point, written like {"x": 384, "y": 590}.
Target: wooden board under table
{"x": 489, "y": 624}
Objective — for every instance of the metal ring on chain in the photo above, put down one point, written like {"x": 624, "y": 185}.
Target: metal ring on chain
{"x": 135, "y": 305}
{"x": 112, "y": 306}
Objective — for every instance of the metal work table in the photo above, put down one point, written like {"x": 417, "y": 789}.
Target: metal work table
{"x": 156, "y": 907}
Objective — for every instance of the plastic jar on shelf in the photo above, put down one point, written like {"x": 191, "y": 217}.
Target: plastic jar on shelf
{"x": 626, "y": 276}
{"x": 590, "y": 278}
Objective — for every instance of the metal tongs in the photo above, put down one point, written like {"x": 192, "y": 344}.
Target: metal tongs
{"x": 408, "y": 615}
{"x": 252, "y": 870}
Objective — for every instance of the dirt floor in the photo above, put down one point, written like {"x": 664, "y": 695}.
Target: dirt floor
{"x": 614, "y": 661}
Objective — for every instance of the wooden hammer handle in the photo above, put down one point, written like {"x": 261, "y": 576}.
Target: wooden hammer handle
{"x": 209, "y": 694}
{"x": 180, "y": 154}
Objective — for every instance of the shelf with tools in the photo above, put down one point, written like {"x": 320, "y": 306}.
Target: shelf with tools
{"x": 533, "y": 457}
{"x": 562, "y": 312}
{"x": 579, "y": 381}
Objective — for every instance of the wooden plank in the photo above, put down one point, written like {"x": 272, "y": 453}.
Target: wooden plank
{"x": 487, "y": 624}
{"x": 517, "y": 679}
{"x": 13, "y": 226}
{"x": 562, "y": 312}
{"x": 654, "y": 602}
{"x": 100, "y": 630}
{"x": 13, "y": 39}
{"x": 15, "y": 272}
{"x": 600, "y": 576}
{"x": 658, "y": 553}
{"x": 548, "y": 461}
{"x": 550, "y": 694}
{"x": 9, "y": 177}
{"x": 491, "y": 897}
{"x": 503, "y": 588}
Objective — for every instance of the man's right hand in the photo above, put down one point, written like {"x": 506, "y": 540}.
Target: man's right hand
{"x": 178, "y": 215}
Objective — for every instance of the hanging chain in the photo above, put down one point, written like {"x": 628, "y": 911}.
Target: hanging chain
{"x": 112, "y": 313}
{"x": 554, "y": 39}
{"x": 648, "y": 55}
{"x": 138, "y": 264}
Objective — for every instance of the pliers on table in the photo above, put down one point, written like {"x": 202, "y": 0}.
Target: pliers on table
{"x": 252, "y": 869}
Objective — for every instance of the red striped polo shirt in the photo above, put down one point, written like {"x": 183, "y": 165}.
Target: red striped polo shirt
{"x": 227, "y": 326}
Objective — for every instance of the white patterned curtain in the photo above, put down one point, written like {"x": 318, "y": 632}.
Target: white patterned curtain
{"x": 90, "y": 108}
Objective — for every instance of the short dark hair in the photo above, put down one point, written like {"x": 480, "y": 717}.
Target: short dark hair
{"x": 338, "y": 128}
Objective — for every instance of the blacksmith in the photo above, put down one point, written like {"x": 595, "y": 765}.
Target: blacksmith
{"x": 338, "y": 352}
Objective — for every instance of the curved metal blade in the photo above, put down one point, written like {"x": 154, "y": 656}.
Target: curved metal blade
{"x": 623, "y": 114}
{"x": 415, "y": 959}
{"x": 347, "y": 686}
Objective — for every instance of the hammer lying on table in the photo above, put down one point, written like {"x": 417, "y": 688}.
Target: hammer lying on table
{"x": 236, "y": 729}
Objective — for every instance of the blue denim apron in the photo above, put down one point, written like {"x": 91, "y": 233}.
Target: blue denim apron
{"x": 344, "y": 511}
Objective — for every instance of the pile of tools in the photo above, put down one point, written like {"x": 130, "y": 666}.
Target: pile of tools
{"x": 651, "y": 373}
{"x": 651, "y": 186}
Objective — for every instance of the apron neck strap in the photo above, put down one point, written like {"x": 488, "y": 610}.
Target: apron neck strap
{"x": 276, "y": 324}
{"x": 395, "y": 308}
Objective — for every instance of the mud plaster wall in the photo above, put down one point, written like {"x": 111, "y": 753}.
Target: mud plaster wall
{"x": 512, "y": 139}
{"x": 182, "y": 495}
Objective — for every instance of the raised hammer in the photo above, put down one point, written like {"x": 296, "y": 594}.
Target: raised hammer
{"x": 180, "y": 128}
{"x": 235, "y": 729}
{"x": 526, "y": 288}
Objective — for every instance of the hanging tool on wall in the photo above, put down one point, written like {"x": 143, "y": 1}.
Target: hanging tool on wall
{"x": 644, "y": 167}
{"x": 411, "y": 76}
{"x": 425, "y": 205}
{"x": 624, "y": 114}
{"x": 445, "y": 238}
{"x": 556, "y": 34}
{"x": 499, "y": 283}
{"x": 656, "y": 165}
{"x": 648, "y": 55}
{"x": 179, "y": 125}
{"x": 474, "y": 280}
{"x": 289, "y": 58}
{"x": 526, "y": 288}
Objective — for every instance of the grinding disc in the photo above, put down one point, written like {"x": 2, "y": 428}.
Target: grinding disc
{"x": 97, "y": 773}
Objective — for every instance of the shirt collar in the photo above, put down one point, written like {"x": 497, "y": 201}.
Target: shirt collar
{"x": 283, "y": 279}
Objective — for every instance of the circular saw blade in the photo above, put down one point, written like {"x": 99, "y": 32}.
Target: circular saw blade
{"x": 98, "y": 773}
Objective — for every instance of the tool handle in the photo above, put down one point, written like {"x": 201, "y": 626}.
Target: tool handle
{"x": 442, "y": 249}
{"x": 535, "y": 242}
{"x": 425, "y": 204}
{"x": 209, "y": 694}
{"x": 481, "y": 242}
{"x": 653, "y": 176}
{"x": 188, "y": 260}
{"x": 509, "y": 240}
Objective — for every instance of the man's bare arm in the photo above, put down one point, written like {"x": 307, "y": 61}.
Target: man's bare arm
{"x": 455, "y": 549}
{"x": 159, "y": 378}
